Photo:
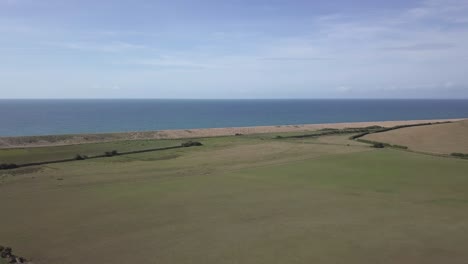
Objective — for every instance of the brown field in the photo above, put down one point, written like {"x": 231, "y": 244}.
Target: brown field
{"x": 61, "y": 140}
{"x": 440, "y": 139}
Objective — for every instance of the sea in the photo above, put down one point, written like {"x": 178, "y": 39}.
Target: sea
{"x": 20, "y": 117}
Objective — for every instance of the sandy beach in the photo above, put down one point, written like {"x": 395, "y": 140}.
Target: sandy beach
{"x": 60, "y": 140}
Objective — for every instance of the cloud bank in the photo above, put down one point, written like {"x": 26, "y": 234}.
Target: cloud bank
{"x": 418, "y": 50}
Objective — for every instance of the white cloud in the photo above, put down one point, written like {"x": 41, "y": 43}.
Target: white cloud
{"x": 115, "y": 46}
{"x": 345, "y": 89}
{"x": 378, "y": 54}
{"x": 173, "y": 62}
{"x": 447, "y": 10}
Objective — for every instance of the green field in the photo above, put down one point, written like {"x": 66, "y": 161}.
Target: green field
{"x": 244, "y": 199}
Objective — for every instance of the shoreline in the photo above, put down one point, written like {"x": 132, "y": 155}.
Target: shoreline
{"x": 75, "y": 139}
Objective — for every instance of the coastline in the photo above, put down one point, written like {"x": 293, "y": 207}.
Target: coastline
{"x": 74, "y": 139}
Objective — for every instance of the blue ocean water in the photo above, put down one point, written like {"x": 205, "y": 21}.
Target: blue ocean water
{"x": 45, "y": 117}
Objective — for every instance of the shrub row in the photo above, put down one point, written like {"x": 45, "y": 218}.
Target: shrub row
{"x": 7, "y": 166}
{"x": 80, "y": 157}
{"x": 328, "y": 129}
{"x": 460, "y": 155}
{"x": 383, "y": 145}
{"x": 359, "y": 135}
{"x": 374, "y": 127}
{"x": 191, "y": 143}
{"x": 378, "y": 145}
{"x": 111, "y": 153}
{"x": 333, "y": 131}
{"x": 379, "y": 129}
{"x": 399, "y": 146}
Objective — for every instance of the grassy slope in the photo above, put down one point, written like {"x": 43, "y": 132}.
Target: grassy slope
{"x": 25, "y": 155}
{"x": 243, "y": 200}
{"x": 442, "y": 138}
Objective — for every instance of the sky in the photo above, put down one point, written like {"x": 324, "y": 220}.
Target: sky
{"x": 233, "y": 49}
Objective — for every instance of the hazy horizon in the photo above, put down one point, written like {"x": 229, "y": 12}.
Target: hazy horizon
{"x": 257, "y": 49}
{"x": 233, "y": 99}
{"x": 26, "y": 117}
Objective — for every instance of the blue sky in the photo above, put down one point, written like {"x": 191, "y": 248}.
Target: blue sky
{"x": 233, "y": 49}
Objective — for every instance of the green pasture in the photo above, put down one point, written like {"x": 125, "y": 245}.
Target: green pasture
{"x": 239, "y": 199}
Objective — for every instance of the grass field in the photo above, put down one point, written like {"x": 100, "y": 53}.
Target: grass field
{"x": 244, "y": 199}
{"x": 441, "y": 139}
{"x": 26, "y": 155}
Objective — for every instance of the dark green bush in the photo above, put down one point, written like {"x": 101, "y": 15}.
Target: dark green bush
{"x": 378, "y": 145}
{"x": 358, "y": 135}
{"x": 111, "y": 153}
{"x": 374, "y": 127}
{"x": 7, "y": 166}
{"x": 459, "y": 155}
{"x": 191, "y": 143}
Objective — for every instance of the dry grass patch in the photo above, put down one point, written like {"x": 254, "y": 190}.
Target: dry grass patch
{"x": 440, "y": 138}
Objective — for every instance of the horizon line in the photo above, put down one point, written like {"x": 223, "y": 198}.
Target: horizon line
{"x": 292, "y": 98}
